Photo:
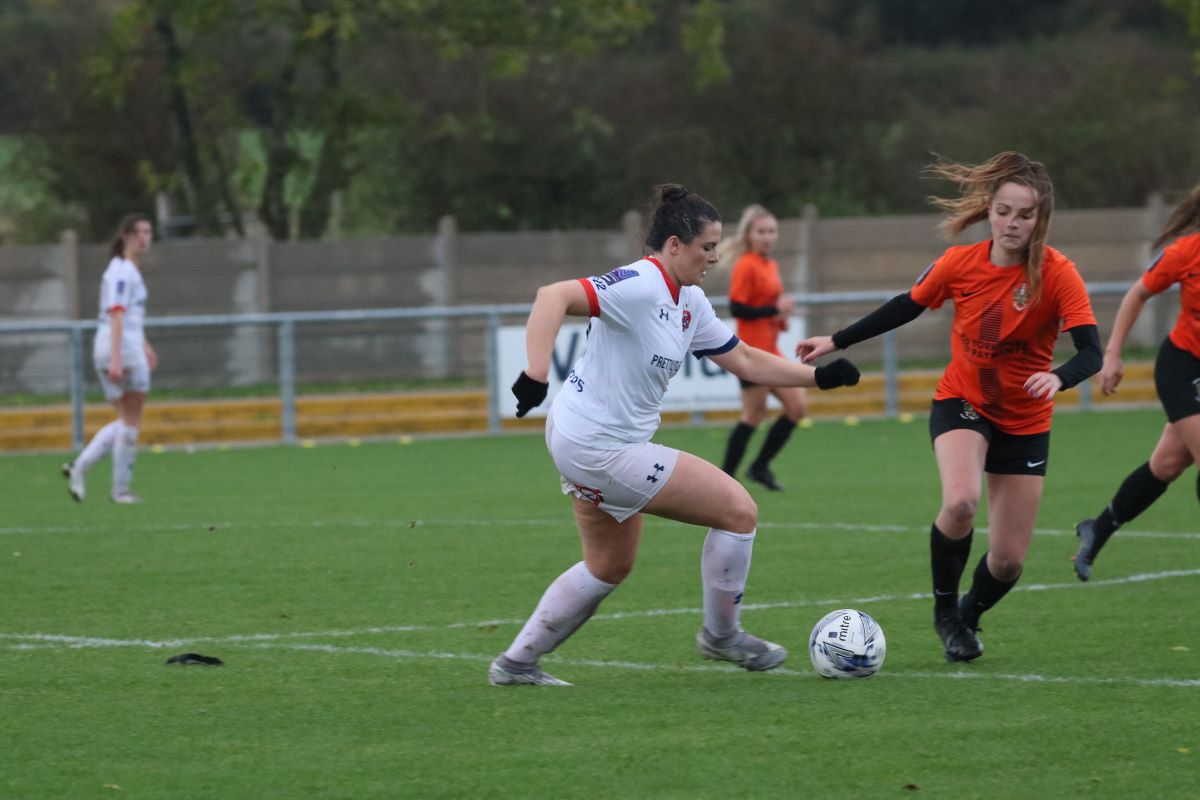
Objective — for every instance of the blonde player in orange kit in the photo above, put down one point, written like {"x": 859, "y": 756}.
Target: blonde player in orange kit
{"x": 1176, "y": 377}
{"x": 757, "y": 301}
{"x": 991, "y": 413}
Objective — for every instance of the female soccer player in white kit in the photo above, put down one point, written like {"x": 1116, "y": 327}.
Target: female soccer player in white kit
{"x": 123, "y": 360}
{"x": 646, "y": 318}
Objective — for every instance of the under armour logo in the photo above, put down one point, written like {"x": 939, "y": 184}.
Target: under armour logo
{"x": 653, "y": 477}
{"x": 662, "y": 314}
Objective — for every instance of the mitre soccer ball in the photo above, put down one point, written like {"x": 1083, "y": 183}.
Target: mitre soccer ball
{"x": 847, "y": 644}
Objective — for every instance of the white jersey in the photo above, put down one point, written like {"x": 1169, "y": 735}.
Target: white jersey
{"x": 643, "y": 327}
{"x": 122, "y": 288}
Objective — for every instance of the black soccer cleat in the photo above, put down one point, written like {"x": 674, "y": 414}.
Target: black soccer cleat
{"x": 958, "y": 638}
{"x": 1086, "y": 531}
{"x": 764, "y": 476}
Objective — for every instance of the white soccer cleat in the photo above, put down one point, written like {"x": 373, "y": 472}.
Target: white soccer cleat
{"x": 506, "y": 672}
{"x": 748, "y": 652}
{"x": 75, "y": 485}
{"x": 126, "y": 498}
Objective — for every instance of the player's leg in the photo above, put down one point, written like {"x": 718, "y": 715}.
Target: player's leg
{"x": 101, "y": 443}
{"x": 1140, "y": 489}
{"x": 129, "y": 406}
{"x": 754, "y": 408}
{"x": 795, "y": 406}
{"x": 609, "y": 550}
{"x": 699, "y": 493}
{"x": 960, "y": 455}
{"x": 1013, "y": 502}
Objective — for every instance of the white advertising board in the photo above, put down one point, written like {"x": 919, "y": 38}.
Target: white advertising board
{"x": 700, "y": 384}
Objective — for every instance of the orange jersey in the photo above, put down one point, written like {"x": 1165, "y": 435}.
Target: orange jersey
{"x": 998, "y": 337}
{"x": 756, "y": 282}
{"x": 1180, "y": 263}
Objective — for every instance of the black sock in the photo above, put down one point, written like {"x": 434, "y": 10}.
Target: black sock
{"x": 735, "y": 448}
{"x": 985, "y": 592}
{"x": 947, "y": 559}
{"x": 776, "y": 438}
{"x": 1138, "y": 492}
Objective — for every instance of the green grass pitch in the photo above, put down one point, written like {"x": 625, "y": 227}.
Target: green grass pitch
{"x": 356, "y": 595}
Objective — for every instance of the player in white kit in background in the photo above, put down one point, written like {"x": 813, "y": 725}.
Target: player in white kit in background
{"x": 646, "y": 318}
{"x": 123, "y": 360}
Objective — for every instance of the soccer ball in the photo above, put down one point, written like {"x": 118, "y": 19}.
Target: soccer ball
{"x": 847, "y": 644}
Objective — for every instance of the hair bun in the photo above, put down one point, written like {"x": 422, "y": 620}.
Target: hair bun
{"x": 671, "y": 192}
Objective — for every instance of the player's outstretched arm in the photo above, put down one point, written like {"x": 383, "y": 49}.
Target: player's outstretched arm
{"x": 767, "y": 369}
{"x": 898, "y": 311}
{"x": 1113, "y": 369}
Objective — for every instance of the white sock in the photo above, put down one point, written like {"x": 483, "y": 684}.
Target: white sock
{"x": 724, "y": 565}
{"x": 124, "y": 454}
{"x": 567, "y": 604}
{"x": 98, "y": 447}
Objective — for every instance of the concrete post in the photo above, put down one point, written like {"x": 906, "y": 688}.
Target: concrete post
{"x": 69, "y": 243}
{"x": 631, "y": 228}
{"x": 1160, "y": 316}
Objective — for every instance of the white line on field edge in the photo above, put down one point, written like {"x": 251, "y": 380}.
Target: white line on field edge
{"x": 53, "y": 640}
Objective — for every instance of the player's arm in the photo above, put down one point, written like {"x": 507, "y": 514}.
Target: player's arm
{"x": 551, "y": 306}
{"x": 767, "y": 369}
{"x": 151, "y": 356}
{"x": 116, "y": 327}
{"x": 1113, "y": 369}
{"x": 1082, "y": 365}
{"x": 898, "y": 311}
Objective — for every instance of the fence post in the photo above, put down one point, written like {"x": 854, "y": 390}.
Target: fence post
{"x": 805, "y": 275}
{"x": 287, "y": 379}
{"x": 1154, "y": 219}
{"x": 76, "y": 384}
{"x": 891, "y": 373}
{"x": 445, "y": 254}
{"x": 69, "y": 242}
{"x": 493, "y": 377}
{"x": 631, "y": 228}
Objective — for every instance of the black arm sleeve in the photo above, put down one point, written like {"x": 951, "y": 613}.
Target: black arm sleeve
{"x": 743, "y": 311}
{"x": 892, "y": 314}
{"x": 1087, "y": 359}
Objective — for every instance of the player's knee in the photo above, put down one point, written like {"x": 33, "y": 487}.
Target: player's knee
{"x": 961, "y": 509}
{"x": 1004, "y": 567}
{"x": 1169, "y": 466}
{"x": 741, "y": 516}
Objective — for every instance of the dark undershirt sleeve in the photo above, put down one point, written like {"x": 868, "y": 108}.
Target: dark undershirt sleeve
{"x": 892, "y": 314}
{"x": 1087, "y": 359}
{"x": 743, "y": 311}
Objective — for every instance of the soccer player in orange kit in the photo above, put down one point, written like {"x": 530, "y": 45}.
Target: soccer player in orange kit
{"x": 991, "y": 413}
{"x": 758, "y": 302}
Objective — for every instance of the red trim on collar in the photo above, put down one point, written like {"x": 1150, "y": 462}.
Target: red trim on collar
{"x": 670, "y": 283}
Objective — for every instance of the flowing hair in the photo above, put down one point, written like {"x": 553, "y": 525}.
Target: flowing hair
{"x": 979, "y": 184}
{"x": 1184, "y": 219}
{"x": 732, "y": 248}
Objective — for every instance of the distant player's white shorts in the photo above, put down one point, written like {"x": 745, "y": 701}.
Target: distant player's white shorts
{"x": 619, "y": 482}
{"x": 134, "y": 378}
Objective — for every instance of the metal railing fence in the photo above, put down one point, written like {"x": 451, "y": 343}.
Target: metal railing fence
{"x": 285, "y": 324}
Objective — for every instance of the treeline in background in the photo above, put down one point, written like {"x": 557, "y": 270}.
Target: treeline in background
{"x": 319, "y": 118}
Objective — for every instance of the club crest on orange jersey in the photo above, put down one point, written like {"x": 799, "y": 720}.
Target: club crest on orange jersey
{"x": 1020, "y": 297}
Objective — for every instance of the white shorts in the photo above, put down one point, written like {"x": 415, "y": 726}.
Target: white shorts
{"x": 135, "y": 376}
{"x": 619, "y": 482}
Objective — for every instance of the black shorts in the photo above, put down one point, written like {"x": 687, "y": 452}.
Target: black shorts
{"x": 747, "y": 384}
{"x": 1177, "y": 379}
{"x": 1007, "y": 453}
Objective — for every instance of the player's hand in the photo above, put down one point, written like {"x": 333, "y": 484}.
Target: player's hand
{"x": 839, "y": 373}
{"x": 810, "y": 349}
{"x": 529, "y": 393}
{"x": 151, "y": 357}
{"x": 1043, "y": 385}
{"x": 114, "y": 371}
{"x": 1111, "y": 374}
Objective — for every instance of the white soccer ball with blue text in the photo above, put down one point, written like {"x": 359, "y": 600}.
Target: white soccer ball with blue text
{"x": 847, "y": 643}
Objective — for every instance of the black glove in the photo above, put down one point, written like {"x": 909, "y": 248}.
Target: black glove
{"x": 531, "y": 393}
{"x": 839, "y": 373}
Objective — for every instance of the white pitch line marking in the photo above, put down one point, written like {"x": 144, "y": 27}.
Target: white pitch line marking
{"x": 780, "y": 671}
{"x": 566, "y": 524}
{"x": 52, "y": 639}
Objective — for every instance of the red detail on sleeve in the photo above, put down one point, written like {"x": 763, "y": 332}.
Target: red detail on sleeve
{"x": 593, "y": 300}
{"x": 111, "y": 309}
